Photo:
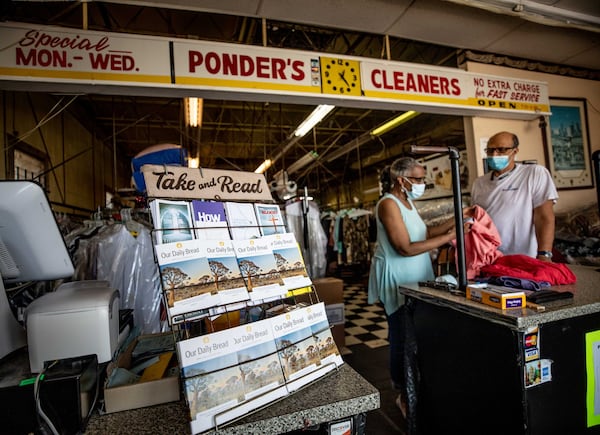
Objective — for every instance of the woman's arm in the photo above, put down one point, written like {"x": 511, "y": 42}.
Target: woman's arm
{"x": 442, "y": 228}
{"x": 391, "y": 218}
{"x": 449, "y": 224}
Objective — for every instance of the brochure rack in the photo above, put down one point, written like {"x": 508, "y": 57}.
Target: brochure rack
{"x": 249, "y": 326}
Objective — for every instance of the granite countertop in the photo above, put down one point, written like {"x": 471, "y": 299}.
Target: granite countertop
{"x": 586, "y": 300}
{"x": 339, "y": 394}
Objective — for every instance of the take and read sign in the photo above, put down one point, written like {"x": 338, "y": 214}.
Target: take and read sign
{"x": 69, "y": 56}
{"x": 188, "y": 183}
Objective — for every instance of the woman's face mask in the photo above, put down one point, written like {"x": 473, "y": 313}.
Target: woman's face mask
{"x": 497, "y": 163}
{"x": 416, "y": 191}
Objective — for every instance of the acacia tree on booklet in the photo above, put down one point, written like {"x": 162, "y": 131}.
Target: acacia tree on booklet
{"x": 248, "y": 269}
{"x": 287, "y": 351}
{"x": 173, "y": 277}
{"x": 218, "y": 270}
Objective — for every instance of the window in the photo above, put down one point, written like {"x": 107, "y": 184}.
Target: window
{"x": 27, "y": 163}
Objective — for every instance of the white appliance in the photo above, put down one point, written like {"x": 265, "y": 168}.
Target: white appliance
{"x": 75, "y": 320}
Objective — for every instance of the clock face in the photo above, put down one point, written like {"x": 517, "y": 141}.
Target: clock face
{"x": 340, "y": 76}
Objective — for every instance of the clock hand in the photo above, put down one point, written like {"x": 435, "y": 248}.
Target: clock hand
{"x": 344, "y": 78}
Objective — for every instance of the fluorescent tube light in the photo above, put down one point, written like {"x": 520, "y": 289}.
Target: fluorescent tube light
{"x": 313, "y": 119}
{"x": 264, "y": 166}
{"x": 393, "y": 123}
{"x": 310, "y": 157}
{"x": 193, "y": 111}
{"x": 538, "y": 12}
{"x": 350, "y": 146}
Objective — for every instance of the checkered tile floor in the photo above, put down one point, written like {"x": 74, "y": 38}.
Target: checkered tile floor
{"x": 365, "y": 323}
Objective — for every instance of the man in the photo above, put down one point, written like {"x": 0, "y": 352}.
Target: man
{"x": 519, "y": 199}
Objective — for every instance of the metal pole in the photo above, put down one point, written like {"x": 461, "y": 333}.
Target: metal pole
{"x": 454, "y": 156}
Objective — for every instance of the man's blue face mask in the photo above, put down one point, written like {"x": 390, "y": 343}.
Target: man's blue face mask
{"x": 497, "y": 163}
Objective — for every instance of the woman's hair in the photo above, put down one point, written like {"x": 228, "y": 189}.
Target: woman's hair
{"x": 399, "y": 168}
{"x": 385, "y": 180}
{"x": 402, "y": 166}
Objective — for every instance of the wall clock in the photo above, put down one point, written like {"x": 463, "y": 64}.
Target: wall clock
{"x": 340, "y": 76}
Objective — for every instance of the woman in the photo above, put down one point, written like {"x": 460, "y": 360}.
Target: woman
{"x": 402, "y": 253}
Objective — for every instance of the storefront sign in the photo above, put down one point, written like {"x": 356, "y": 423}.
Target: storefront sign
{"x": 56, "y": 54}
{"x": 211, "y": 64}
{"x": 425, "y": 85}
{"x": 188, "y": 183}
{"x": 66, "y": 56}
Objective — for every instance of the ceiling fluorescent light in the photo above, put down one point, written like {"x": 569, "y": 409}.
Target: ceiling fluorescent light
{"x": 313, "y": 119}
{"x": 349, "y": 146}
{"x": 310, "y": 157}
{"x": 538, "y": 12}
{"x": 193, "y": 111}
{"x": 263, "y": 166}
{"x": 393, "y": 123}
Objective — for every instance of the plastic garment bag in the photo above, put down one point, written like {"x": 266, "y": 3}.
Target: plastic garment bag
{"x": 127, "y": 262}
{"x": 315, "y": 254}
{"x": 113, "y": 254}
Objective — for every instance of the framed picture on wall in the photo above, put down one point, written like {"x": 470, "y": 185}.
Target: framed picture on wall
{"x": 568, "y": 145}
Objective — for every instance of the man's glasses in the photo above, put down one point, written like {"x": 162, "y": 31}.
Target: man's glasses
{"x": 499, "y": 150}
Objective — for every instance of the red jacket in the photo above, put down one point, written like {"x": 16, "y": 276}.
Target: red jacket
{"x": 481, "y": 243}
{"x": 524, "y": 266}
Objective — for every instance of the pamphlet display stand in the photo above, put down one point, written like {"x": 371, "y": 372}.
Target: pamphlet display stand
{"x": 248, "y": 325}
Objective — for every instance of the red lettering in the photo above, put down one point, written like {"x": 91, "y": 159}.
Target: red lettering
{"x": 375, "y": 78}
{"x": 212, "y": 62}
{"x": 246, "y": 66}
{"x": 410, "y": 83}
{"x": 444, "y": 86}
{"x": 434, "y": 84}
{"x": 262, "y": 67}
{"x": 230, "y": 65}
{"x": 44, "y": 58}
{"x": 28, "y": 39}
{"x": 37, "y": 39}
{"x": 23, "y": 59}
{"x": 298, "y": 73}
{"x": 121, "y": 63}
{"x": 99, "y": 61}
{"x": 455, "y": 87}
{"x": 278, "y": 67}
{"x": 423, "y": 83}
{"x": 243, "y": 65}
{"x": 115, "y": 63}
{"x": 384, "y": 81}
{"x": 398, "y": 81}
{"x": 194, "y": 59}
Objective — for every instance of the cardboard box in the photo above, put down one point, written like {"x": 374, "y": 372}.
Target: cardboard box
{"x": 330, "y": 290}
{"x": 140, "y": 394}
{"x": 496, "y": 296}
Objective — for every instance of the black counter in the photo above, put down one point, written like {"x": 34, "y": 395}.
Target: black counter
{"x": 471, "y": 361}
